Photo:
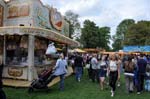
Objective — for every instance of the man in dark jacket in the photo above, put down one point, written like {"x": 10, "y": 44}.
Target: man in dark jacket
{"x": 78, "y": 63}
{"x": 141, "y": 73}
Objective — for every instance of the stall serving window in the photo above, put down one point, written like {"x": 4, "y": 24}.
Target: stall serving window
{"x": 16, "y": 50}
{"x": 40, "y": 49}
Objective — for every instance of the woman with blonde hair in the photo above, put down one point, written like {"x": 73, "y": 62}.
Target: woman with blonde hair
{"x": 102, "y": 71}
{"x": 114, "y": 71}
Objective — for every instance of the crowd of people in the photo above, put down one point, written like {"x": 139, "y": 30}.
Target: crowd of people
{"x": 135, "y": 68}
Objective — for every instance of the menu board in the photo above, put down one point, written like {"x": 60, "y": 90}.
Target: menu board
{"x": 1, "y": 15}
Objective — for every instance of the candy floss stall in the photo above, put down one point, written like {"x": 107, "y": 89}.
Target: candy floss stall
{"x": 26, "y": 29}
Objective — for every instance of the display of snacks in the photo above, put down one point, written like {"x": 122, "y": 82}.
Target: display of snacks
{"x": 11, "y": 46}
{"x": 24, "y": 42}
{"x": 37, "y": 43}
{"x": 43, "y": 45}
{"x": 40, "y": 43}
{"x": 12, "y": 42}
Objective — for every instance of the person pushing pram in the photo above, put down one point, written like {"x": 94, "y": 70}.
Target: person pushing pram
{"x": 60, "y": 69}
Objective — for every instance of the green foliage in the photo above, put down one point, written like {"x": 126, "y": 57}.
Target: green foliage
{"x": 122, "y": 28}
{"x": 73, "y": 21}
{"x": 104, "y": 36}
{"x": 138, "y": 34}
{"x": 117, "y": 43}
{"x": 94, "y": 37}
{"x": 89, "y": 36}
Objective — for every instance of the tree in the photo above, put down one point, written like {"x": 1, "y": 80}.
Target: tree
{"x": 93, "y": 36}
{"x": 138, "y": 34}
{"x": 89, "y": 36}
{"x": 122, "y": 28}
{"x": 104, "y": 37}
{"x": 72, "y": 19}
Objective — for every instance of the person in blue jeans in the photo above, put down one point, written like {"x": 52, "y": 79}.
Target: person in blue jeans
{"x": 141, "y": 64}
{"x": 60, "y": 70}
{"x": 78, "y": 63}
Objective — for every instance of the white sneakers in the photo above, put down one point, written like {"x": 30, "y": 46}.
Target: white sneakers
{"x": 118, "y": 84}
{"x": 138, "y": 93}
{"x": 112, "y": 93}
{"x": 79, "y": 80}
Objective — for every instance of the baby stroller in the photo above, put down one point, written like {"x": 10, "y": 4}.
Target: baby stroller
{"x": 42, "y": 81}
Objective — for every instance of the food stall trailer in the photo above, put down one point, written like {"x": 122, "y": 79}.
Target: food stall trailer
{"x": 26, "y": 29}
{"x": 24, "y": 50}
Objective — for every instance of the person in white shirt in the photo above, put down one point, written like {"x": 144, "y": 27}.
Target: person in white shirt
{"x": 94, "y": 63}
{"x": 113, "y": 70}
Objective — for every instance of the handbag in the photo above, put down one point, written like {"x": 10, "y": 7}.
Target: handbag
{"x": 87, "y": 66}
{"x": 51, "y": 49}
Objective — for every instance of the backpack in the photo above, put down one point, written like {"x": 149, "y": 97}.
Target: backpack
{"x": 129, "y": 66}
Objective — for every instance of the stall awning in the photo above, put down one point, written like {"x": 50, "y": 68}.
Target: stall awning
{"x": 136, "y": 48}
{"x": 92, "y": 50}
{"x": 79, "y": 50}
{"x": 52, "y": 35}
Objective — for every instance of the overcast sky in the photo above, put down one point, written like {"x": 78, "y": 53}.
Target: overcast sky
{"x": 104, "y": 12}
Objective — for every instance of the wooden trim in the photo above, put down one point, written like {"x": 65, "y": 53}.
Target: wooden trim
{"x": 49, "y": 34}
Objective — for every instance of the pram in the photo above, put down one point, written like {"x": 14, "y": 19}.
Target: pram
{"x": 42, "y": 81}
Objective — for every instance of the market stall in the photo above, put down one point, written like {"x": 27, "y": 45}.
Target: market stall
{"x": 26, "y": 29}
{"x": 137, "y": 49}
{"x": 24, "y": 50}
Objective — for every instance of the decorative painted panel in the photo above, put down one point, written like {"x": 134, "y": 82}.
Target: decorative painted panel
{"x": 18, "y": 11}
{"x": 56, "y": 19}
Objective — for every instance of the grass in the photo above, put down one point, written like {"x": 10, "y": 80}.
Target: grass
{"x": 75, "y": 90}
